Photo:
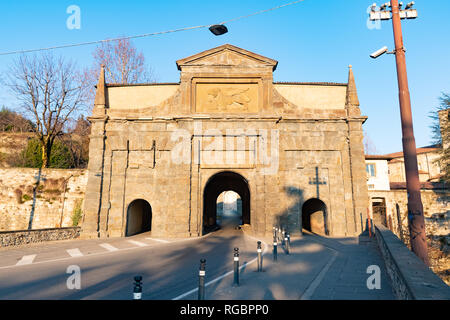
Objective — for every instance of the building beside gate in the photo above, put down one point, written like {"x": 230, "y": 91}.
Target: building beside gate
{"x": 161, "y": 154}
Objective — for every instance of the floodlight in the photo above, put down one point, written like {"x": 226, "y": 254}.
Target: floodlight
{"x": 378, "y": 53}
{"x": 410, "y": 5}
{"x": 218, "y": 29}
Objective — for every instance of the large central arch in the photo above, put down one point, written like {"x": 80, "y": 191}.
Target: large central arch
{"x": 224, "y": 181}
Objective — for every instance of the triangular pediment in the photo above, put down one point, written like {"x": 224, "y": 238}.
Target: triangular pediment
{"x": 227, "y": 55}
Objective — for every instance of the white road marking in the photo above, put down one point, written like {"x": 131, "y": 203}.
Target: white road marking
{"x": 313, "y": 286}
{"x": 26, "y": 260}
{"x": 101, "y": 253}
{"x": 158, "y": 240}
{"x": 74, "y": 252}
{"x": 222, "y": 276}
{"x": 137, "y": 243}
{"x": 108, "y": 247}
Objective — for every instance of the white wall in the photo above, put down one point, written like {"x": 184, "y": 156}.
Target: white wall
{"x": 381, "y": 179}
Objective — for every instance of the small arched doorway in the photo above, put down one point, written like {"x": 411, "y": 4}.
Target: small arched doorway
{"x": 314, "y": 216}
{"x": 139, "y": 217}
{"x": 379, "y": 211}
{"x": 217, "y": 184}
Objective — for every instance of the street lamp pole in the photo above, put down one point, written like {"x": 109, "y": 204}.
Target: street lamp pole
{"x": 416, "y": 220}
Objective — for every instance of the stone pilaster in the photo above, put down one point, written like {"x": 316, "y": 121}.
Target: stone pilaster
{"x": 357, "y": 159}
{"x": 93, "y": 198}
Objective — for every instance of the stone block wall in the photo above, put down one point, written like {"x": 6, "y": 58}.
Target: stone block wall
{"x": 436, "y": 208}
{"x": 436, "y": 204}
{"x": 411, "y": 278}
{"x": 17, "y": 238}
{"x": 22, "y": 189}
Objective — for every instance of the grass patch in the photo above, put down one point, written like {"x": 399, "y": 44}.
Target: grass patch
{"x": 77, "y": 213}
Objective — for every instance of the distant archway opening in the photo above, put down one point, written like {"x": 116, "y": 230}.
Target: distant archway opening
{"x": 314, "y": 216}
{"x": 139, "y": 217}
{"x": 379, "y": 211}
{"x": 229, "y": 209}
{"x": 217, "y": 184}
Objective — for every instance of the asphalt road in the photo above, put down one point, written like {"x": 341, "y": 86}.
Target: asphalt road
{"x": 169, "y": 268}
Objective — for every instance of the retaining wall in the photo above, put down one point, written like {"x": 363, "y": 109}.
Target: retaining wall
{"x": 411, "y": 278}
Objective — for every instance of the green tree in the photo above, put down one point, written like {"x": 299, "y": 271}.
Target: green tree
{"x": 60, "y": 156}
{"x": 441, "y": 133}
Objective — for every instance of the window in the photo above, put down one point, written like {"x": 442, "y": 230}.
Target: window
{"x": 371, "y": 186}
{"x": 370, "y": 168}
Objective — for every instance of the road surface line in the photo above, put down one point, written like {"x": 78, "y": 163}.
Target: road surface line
{"x": 137, "y": 243}
{"x": 108, "y": 247}
{"x": 26, "y": 260}
{"x": 222, "y": 276}
{"x": 67, "y": 258}
{"x": 74, "y": 252}
{"x": 315, "y": 283}
{"x": 99, "y": 253}
{"x": 158, "y": 240}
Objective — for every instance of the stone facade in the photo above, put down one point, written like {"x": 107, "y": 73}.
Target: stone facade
{"x": 56, "y": 193}
{"x": 430, "y": 168}
{"x": 225, "y": 126}
{"x": 436, "y": 209}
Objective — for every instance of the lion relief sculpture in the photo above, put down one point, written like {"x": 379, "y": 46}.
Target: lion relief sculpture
{"x": 228, "y": 99}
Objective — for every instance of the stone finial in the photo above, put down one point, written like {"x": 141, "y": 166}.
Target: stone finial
{"x": 100, "y": 95}
{"x": 352, "y": 94}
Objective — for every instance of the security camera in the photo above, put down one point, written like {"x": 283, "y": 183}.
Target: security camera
{"x": 378, "y": 53}
{"x": 383, "y": 6}
{"x": 373, "y": 7}
{"x": 410, "y": 5}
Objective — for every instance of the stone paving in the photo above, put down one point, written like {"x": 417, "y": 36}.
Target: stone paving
{"x": 317, "y": 268}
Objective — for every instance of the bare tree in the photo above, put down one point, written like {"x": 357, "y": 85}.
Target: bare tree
{"x": 50, "y": 91}
{"x": 123, "y": 65}
{"x": 369, "y": 145}
{"x": 77, "y": 140}
{"x": 11, "y": 121}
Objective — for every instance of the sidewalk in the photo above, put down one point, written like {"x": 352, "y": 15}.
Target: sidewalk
{"x": 317, "y": 268}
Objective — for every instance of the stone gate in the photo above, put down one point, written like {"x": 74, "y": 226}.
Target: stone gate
{"x": 292, "y": 151}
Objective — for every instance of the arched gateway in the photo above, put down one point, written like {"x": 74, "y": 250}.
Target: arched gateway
{"x": 218, "y": 183}
{"x": 226, "y": 125}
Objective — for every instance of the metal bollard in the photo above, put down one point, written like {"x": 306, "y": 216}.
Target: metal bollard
{"x": 275, "y": 246}
{"x": 259, "y": 250}
{"x": 289, "y": 241}
{"x": 201, "y": 280}
{"x": 286, "y": 242}
{"x": 137, "y": 291}
{"x": 236, "y": 267}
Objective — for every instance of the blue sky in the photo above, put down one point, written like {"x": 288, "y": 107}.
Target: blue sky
{"x": 314, "y": 40}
